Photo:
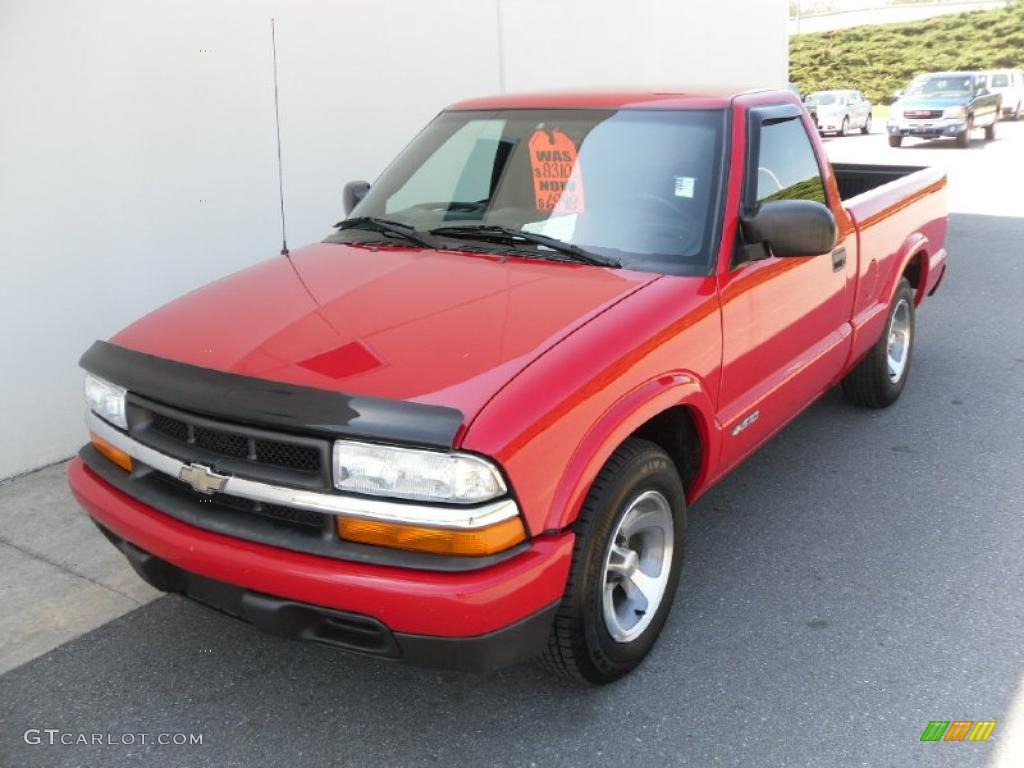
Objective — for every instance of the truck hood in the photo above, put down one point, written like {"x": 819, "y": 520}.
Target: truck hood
{"x": 434, "y": 327}
{"x": 959, "y": 101}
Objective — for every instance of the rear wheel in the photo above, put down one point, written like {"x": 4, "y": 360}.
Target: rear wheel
{"x": 878, "y": 379}
{"x": 845, "y": 129}
{"x": 625, "y": 567}
{"x": 895, "y": 141}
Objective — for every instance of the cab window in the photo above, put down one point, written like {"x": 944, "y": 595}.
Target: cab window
{"x": 787, "y": 168}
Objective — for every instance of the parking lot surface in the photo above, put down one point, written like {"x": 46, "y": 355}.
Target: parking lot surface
{"x": 859, "y": 577}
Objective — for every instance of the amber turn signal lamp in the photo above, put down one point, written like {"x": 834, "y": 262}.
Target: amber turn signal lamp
{"x": 116, "y": 455}
{"x": 441, "y": 541}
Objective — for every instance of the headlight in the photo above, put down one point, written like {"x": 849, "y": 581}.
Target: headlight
{"x": 409, "y": 473}
{"x": 106, "y": 400}
{"x": 955, "y": 112}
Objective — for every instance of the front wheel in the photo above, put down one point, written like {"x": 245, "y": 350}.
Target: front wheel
{"x": 866, "y": 128}
{"x": 990, "y": 131}
{"x": 964, "y": 139}
{"x": 895, "y": 141}
{"x": 845, "y": 129}
{"x": 879, "y": 378}
{"x": 625, "y": 567}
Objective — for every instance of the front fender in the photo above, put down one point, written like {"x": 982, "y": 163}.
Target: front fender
{"x": 555, "y": 423}
{"x": 622, "y": 419}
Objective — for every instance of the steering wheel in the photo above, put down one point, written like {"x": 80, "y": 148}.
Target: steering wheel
{"x": 682, "y": 227}
{"x": 771, "y": 175}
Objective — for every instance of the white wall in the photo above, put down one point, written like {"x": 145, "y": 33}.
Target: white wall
{"x": 115, "y": 123}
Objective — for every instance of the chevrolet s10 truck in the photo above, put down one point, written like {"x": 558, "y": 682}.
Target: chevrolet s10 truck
{"x": 464, "y": 430}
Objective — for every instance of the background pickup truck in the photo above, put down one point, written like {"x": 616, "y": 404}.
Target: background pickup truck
{"x": 465, "y": 429}
{"x": 945, "y": 104}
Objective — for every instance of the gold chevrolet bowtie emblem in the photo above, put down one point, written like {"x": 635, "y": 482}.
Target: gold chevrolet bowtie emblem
{"x": 202, "y": 478}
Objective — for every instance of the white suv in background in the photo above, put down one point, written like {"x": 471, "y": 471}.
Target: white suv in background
{"x": 1008, "y": 83}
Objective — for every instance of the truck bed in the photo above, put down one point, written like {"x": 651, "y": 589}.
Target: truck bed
{"x": 855, "y": 178}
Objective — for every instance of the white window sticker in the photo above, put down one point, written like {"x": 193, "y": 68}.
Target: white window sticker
{"x": 684, "y": 186}
{"x": 558, "y": 227}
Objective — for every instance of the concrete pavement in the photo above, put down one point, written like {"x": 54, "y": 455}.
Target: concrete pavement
{"x": 60, "y": 577}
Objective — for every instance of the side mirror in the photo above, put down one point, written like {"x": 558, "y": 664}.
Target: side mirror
{"x": 791, "y": 227}
{"x": 354, "y": 192}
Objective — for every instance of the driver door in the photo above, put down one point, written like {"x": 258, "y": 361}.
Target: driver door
{"x": 786, "y": 329}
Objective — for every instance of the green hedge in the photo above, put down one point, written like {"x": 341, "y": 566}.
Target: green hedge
{"x": 880, "y": 59}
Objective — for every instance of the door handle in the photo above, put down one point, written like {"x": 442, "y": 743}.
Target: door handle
{"x": 838, "y": 259}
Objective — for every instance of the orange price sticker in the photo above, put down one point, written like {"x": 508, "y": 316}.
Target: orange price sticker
{"x": 557, "y": 184}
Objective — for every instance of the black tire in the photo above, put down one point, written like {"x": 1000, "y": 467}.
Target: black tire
{"x": 870, "y": 384}
{"x": 866, "y": 128}
{"x": 580, "y": 645}
{"x": 964, "y": 139}
{"x": 990, "y": 132}
{"x": 844, "y": 130}
{"x": 895, "y": 141}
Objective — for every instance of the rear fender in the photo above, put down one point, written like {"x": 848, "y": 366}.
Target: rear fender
{"x": 916, "y": 246}
{"x": 621, "y": 420}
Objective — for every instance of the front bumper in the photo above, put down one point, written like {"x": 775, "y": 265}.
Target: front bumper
{"x": 830, "y": 124}
{"x": 462, "y": 607}
{"x": 349, "y": 631}
{"x": 926, "y": 129}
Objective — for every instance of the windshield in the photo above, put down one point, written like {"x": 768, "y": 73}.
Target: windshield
{"x": 941, "y": 87}
{"x": 823, "y": 99}
{"x": 638, "y": 186}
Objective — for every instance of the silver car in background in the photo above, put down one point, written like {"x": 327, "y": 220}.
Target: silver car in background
{"x": 840, "y": 112}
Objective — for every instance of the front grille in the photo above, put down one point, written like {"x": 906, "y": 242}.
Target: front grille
{"x": 275, "y": 458}
{"x": 274, "y": 452}
{"x": 302, "y": 520}
{"x": 251, "y": 452}
{"x": 174, "y": 429}
{"x": 221, "y": 442}
{"x": 922, "y": 114}
{"x": 298, "y": 517}
{"x": 291, "y": 515}
{"x": 291, "y": 456}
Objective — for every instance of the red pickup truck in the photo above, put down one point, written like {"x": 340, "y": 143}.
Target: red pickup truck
{"x": 464, "y": 429}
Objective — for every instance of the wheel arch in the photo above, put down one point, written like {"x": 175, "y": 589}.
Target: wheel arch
{"x": 673, "y": 411}
{"x": 913, "y": 264}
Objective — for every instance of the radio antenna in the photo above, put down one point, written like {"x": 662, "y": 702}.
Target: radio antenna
{"x": 277, "y": 120}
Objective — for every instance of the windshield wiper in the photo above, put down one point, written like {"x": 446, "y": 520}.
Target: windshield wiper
{"x": 512, "y": 235}
{"x": 386, "y": 227}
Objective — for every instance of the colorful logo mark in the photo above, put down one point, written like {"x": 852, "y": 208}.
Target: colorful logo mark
{"x": 958, "y": 730}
